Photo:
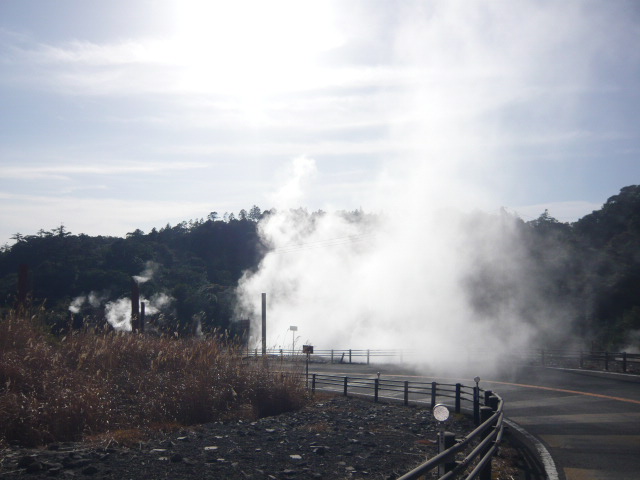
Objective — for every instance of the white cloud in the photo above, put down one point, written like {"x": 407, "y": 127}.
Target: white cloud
{"x": 62, "y": 171}
{"x": 433, "y": 88}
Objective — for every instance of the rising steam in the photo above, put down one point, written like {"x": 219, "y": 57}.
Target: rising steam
{"x": 148, "y": 272}
{"x": 94, "y": 299}
{"x": 409, "y": 277}
{"x": 118, "y": 312}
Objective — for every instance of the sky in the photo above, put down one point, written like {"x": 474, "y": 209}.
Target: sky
{"x": 129, "y": 114}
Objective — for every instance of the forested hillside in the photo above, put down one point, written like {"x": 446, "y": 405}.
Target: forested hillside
{"x": 185, "y": 272}
{"x": 580, "y": 279}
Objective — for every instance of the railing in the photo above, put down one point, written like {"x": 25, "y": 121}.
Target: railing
{"x": 480, "y": 444}
{"x": 338, "y": 356}
{"x": 616, "y": 361}
{"x": 609, "y": 361}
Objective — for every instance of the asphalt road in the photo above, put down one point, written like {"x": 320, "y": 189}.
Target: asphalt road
{"x": 588, "y": 421}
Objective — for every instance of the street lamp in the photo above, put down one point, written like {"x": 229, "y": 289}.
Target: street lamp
{"x": 441, "y": 414}
{"x": 293, "y": 329}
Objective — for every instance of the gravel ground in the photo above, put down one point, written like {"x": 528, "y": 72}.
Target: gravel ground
{"x": 332, "y": 438}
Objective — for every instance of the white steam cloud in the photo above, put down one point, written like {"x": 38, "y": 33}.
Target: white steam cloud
{"x": 401, "y": 279}
{"x": 118, "y": 312}
{"x": 94, "y": 299}
{"x": 147, "y": 274}
{"x": 299, "y": 175}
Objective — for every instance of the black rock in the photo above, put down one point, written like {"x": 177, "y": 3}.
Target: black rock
{"x": 34, "y": 467}
{"x": 90, "y": 470}
{"x": 25, "y": 461}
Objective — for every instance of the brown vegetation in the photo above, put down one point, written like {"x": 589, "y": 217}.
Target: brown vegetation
{"x": 86, "y": 384}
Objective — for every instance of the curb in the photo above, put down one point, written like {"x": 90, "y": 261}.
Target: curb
{"x": 538, "y": 453}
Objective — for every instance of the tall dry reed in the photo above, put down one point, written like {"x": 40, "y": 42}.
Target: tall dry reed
{"x": 61, "y": 389}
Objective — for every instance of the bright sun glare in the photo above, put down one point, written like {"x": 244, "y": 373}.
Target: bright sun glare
{"x": 251, "y": 49}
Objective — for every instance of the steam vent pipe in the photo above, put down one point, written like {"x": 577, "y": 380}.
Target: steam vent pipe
{"x": 135, "y": 305}
{"x": 264, "y": 324}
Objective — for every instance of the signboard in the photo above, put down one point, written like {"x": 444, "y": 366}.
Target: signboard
{"x": 307, "y": 349}
{"x": 293, "y": 328}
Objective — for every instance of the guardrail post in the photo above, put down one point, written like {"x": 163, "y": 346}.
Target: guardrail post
{"x": 313, "y": 383}
{"x": 376, "y": 386}
{"x": 624, "y": 362}
{"x": 487, "y": 395}
{"x": 281, "y": 353}
{"x": 349, "y": 355}
{"x": 256, "y": 352}
{"x": 446, "y": 440}
{"x": 606, "y": 361}
{"x": 406, "y": 393}
{"x": 476, "y": 406}
{"x": 367, "y": 356}
{"x": 345, "y": 386}
{"x": 434, "y": 387}
{"x": 493, "y": 402}
{"x": 485, "y": 414}
{"x": 458, "y": 394}
{"x": 332, "y": 356}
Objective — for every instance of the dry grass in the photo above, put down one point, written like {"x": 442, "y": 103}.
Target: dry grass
{"x": 88, "y": 384}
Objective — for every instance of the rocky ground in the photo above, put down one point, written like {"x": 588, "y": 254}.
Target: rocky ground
{"x": 332, "y": 438}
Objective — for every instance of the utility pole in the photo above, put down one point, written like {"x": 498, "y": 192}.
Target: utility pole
{"x": 264, "y": 324}
{"x": 135, "y": 306}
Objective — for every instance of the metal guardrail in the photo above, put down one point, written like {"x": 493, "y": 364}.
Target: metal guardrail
{"x": 337, "y": 356}
{"x": 598, "y": 360}
{"x": 479, "y": 445}
{"x": 601, "y": 360}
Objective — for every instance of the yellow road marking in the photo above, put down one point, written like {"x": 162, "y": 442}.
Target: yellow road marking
{"x": 585, "y": 474}
{"x": 574, "y": 392}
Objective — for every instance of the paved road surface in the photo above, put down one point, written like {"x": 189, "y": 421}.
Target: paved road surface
{"x": 589, "y": 422}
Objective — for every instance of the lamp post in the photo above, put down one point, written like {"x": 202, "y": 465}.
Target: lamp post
{"x": 293, "y": 329}
{"x": 476, "y": 401}
{"x": 445, "y": 439}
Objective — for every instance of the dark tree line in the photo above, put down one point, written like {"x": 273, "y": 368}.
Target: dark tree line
{"x": 573, "y": 282}
{"x": 578, "y": 281}
{"x": 196, "y": 263}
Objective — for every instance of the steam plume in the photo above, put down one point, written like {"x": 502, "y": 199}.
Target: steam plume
{"x": 118, "y": 312}
{"x": 94, "y": 299}
{"x": 148, "y": 273}
{"x": 404, "y": 279}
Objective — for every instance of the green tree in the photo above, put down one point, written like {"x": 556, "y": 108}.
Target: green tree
{"x": 255, "y": 214}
